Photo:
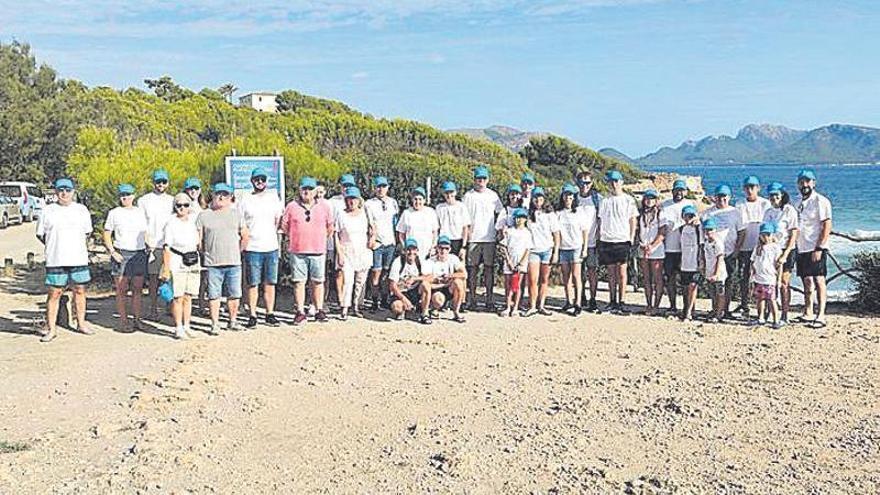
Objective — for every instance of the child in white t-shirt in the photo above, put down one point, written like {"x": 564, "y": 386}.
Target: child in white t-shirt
{"x": 689, "y": 270}
{"x": 715, "y": 269}
{"x": 517, "y": 243}
{"x": 765, "y": 272}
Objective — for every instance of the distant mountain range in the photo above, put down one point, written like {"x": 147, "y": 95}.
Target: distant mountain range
{"x": 512, "y": 139}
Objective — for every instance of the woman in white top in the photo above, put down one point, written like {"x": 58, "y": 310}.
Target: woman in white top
{"x": 652, "y": 232}
{"x": 419, "y": 222}
{"x": 353, "y": 238}
{"x": 785, "y": 216}
{"x": 573, "y": 234}
{"x": 545, "y": 250}
{"x": 512, "y": 200}
{"x": 125, "y": 231}
{"x": 181, "y": 262}
{"x": 192, "y": 186}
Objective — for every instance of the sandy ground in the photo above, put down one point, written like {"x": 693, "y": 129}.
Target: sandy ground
{"x": 539, "y": 405}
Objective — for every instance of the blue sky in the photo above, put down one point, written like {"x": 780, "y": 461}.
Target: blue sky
{"x": 631, "y": 74}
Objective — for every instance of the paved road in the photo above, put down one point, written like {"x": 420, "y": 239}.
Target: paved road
{"x": 17, "y": 240}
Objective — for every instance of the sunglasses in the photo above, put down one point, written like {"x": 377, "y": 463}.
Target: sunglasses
{"x": 223, "y": 195}
{"x": 585, "y": 182}
{"x": 64, "y": 189}
{"x": 160, "y": 181}
{"x": 182, "y": 205}
{"x": 190, "y": 188}
{"x": 443, "y": 246}
{"x": 258, "y": 179}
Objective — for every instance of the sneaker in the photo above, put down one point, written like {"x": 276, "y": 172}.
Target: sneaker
{"x": 374, "y": 307}
{"x": 567, "y": 306}
{"x": 214, "y": 330}
{"x": 399, "y": 317}
{"x": 434, "y": 314}
{"x": 299, "y": 318}
{"x": 777, "y": 325}
{"x": 744, "y": 313}
{"x": 234, "y": 326}
{"x": 576, "y": 311}
{"x": 608, "y": 308}
{"x": 180, "y": 333}
{"x": 757, "y": 323}
{"x": 622, "y": 310}
{"x": 321, "y": 316}
{"x": 544, "y": 312}
{"x": 343, "y": 316}
{"x": 272, "y": 321}
{"x": 252, "y": 322}
{"x": 357, "y": 313}
{"x": 592, "y": 307}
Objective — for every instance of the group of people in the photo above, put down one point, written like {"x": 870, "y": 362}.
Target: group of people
{"x": 422, "y": 260}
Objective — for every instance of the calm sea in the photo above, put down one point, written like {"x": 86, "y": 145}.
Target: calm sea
{"x": 854, "y": 191}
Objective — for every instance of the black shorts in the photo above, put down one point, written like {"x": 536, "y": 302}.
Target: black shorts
{"x": 455, "y": 244}
{"x": 788, "y": 264}
{"x": 612, "y": 253}
{"x": 413, "y": 296}
{"x": 688, "y": 278}
{"x": 807, "y": 268}
{"x": 672, "y": 263}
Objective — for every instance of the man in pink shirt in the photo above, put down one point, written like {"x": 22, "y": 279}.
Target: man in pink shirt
{"x": 307, "y": 223}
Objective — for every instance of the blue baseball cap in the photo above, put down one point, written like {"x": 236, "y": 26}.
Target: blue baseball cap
{"x": 64, "y": 183}
{"x": 751, "y": 180}
{"x": 192, "y": 182}
{"x": 528, "y": 177}
{"x": 680, "y": 184}
{"x": 775, "y": 188}
{"x": 419, "y": 191}
{"x": 806, "y": 173}
{"x": 221, "y": 187}
{"x": 444, "y": 240}
{"x": 449, "y": 186}
{"x": 347, "y": 180}
{"x": 166, "y": 291}
{"x": 520, "y": 213}
{"x": 710, "y": 223}
{"x": 652, "y": 193}
{"x": 767, "y": 228}
{"x": 125, "y": 189}
{"x": 514, "y": 188}
{"x": 259, "y": 172}
{"x": 352, "y": 192}
{"x": 723, "y": 190}
{"x": 410, "y": 243}
{"x": 569, "y": 189}
{"x": 481, "y": 172}
{"x": 613, "y": 175}
{"x": 308, "y": 183}
{"x": 689, "y": 210}
{"x": 380, "y": 181}
{"x": 160, "y": 174}
{"x": 538, "y": 191}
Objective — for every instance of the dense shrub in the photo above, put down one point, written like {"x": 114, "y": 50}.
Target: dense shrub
{"x": 867, "y": 296}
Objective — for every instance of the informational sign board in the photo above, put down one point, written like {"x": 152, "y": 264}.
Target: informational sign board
{"x": 239, "y": 168}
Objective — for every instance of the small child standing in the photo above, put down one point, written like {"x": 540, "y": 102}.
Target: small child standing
{"x": 715, "y": 268}
{"x": 765, "y": 272}
{"x": 518, "y": 243}
{"x": 690, "y": 259}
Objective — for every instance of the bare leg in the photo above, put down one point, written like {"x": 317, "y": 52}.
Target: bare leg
{"x": 621, "y": 278}
{"x": 566, "y": 281}
{"x": 612, "y": 283}
{"x": 137, "y": 289}
{"x": 253, "y": 295}
{"x": 269, "y": 298}
{"x": 232, "y": 306}
{"x": 672, "y": 290}
{"x": 534, "y": 273}
{"x": 79, "y": 302}
{"x": 121, "y": 296}
{"x": 53, "y": 298}
{"x": 177, "y": 311}
{"x": 578, "y": 284}
{"x": 214, "y": 306}
{"x": 489, "y": 275}
{"x": 657, "y": 269}
{"x": 458, "y": 291}
{"x": 544, "y": 283}
{"x": 822, "y": 295}
{"x": 646, "y": 282}
{"x": 785, "y": 294}
{"x": 154, "y": 295}
{"x": 299, "y": 296}
{"x": 187, "y": 309}
{"x": 424, "y": 298}
{"x": 397, "y": 308}
{"x": 318, "y": 295}
{"x": 593, "y": 276}
{"x": 808, "y": 298}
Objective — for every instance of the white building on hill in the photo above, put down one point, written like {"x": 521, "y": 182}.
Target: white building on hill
{"x": 261, "y": 101}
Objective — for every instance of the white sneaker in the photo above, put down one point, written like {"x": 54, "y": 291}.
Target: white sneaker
{"x": 180, "y": 334}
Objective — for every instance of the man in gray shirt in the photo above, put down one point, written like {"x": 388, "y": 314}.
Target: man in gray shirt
{"x": 224, "y": 235}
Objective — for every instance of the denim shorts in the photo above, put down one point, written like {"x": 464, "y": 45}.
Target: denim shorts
{"x": 383, "y": 256}
{"x": 62, "y": 276}
{"x": 224, "y": 281}
{"x": 262, "y": 268}
{"x": 307, "y": 267}
{"x": 542, "y": 257}
{"x": 569, "y": 256}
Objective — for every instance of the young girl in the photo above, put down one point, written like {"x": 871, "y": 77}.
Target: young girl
{"x": 517, "y": 243}
{"x": 690, "y": 258}
{"x": 545, "y": 252}
{"x": 572, "y": 247}
{"x": 715, "y": 269}
{"x": 652, "y": 231}
{"x": 765, "y": 272}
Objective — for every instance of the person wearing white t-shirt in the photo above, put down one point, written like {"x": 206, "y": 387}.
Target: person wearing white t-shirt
{"x": 158, "y": 206}
{"x": 545, "y": 250}
{"x": 382, "y": 211}
{"x": 63, "y": 228}
{"x": 261, "y": 211}
{"x": 353, "y": 237}
{"x": 125, "y": 230}
{"x": 588, "y": 200}
{"x": 785, "y": 216}
{"x": 410, "y": 283}
{"x": 651, "y": 233}
{"x": 731, "y": 231}
{"x": 765, "y": 273}
{"x": 751, "y": 213}
{"x": 814, "y": 225}
{"x": 573, "y": 234}
{"x": 512, "y": 201}
{"x": 455, "y": 220}
{"x": 618, "y": 217}
{"x": 419, "y": 222}
{"x": 484, "y": 206}
{"x": 337, "y": 204}
{"x": 671, "y": 210}
{"x": 517, "y": 244}
{"x": 714, "y": 268}
{"x": 448, "y": 282}
{"x": 691, "y": 248}
{"x": 181, "y": 263}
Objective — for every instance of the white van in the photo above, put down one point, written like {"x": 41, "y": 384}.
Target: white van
{"x": 28, "y": 196}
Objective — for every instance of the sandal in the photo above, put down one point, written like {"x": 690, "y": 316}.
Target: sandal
{"x": 817, "y": 324}
{"x": 544, "y": 312}
{"x": 801, "y": 319}
{"x": 425, "y": 320}
{"x": 458, "y": 319}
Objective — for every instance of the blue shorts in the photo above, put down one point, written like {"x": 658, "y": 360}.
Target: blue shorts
{"x": 569, "y": 256}
{"x": 542, "y": 257}
{"x": 62, "y": 276}
{"x": 262, "y": 268}
{"x": 307, "y": 267}
{"x": 224, "y": 281}
{"x": 383, "y": 256}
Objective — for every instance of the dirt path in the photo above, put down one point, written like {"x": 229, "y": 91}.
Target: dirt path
{"x": 18, "y": 240}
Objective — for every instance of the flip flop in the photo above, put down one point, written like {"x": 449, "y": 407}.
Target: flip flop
{"x": 801, "y": 319}
{"x": 458, "y": 319}
{"x": 817, "y": 324}
{"x": 48, "y": 337}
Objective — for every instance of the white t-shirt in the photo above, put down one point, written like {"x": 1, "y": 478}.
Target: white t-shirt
{"x": 518, "y": 242}
{"x": 671, "y": 212}
{"x": 505, "y": 219}
{"x": 406, "y": 278}
{"x": 649, "y": 228}
{"x": 453, "y": 219}
{"x": 195, "y": 208}
{"x": 65, "y": 229}
{"x": 812, "y": 212}
{"x": 690, "y": 248}
{"x": 261, "y": 214}
{"x": 764, "y": 263}
{"x": 159, "y": 208}
{"x": 182, "y": 235}
{"x": 587, "y": 207}
{"x": 421, "y": 226}
{"x": 729, "y": 224}
{"x": 483, "y": 206}
{"x": 785, "y": 218}
{"x": 543, "y": 228}
{"x": 381, "y": 213}
{"x": 447, "y": 267}
{"x": 353, "y": 239}
{"x": 615, "y": 213}
{"x": 129, "y": 227}
{"x": 752, "y": 214}
{"x": 711, "y": 251}
{"x": 336, "y": 204}
{"x": 571, "y": 230}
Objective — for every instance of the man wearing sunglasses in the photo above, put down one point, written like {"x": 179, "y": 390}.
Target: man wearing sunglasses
{"x": 382, "y": 213}
{"x": 588, "y": 200}
{"x": 261, "y": 211}
{"x": 64, "y": 227}
{"x": 307, "y": 223}
{"x": 158, "y": 207}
